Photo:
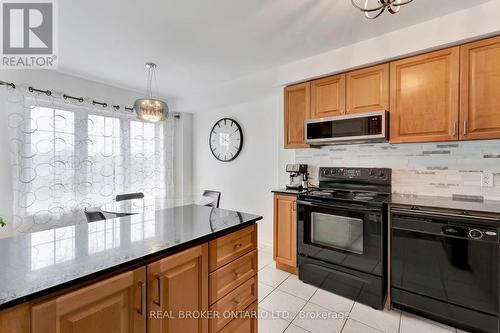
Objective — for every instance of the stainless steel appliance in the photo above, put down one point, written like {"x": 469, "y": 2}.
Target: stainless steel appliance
{"x": 298, "y": 177}
{"x": 444, "y": 265}
{"x": 342, "y": 228}
{"x": 353, "y": 128}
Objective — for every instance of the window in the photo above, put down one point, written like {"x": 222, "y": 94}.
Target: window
{"x": 71, "y": 158}
{"x": 52, "y": 145}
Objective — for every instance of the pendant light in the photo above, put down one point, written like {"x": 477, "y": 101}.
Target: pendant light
{"x": 151, "y": 109}
{"x": 375, "y": 8}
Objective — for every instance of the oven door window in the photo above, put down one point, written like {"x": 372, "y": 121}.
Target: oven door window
{"x": 339, "y": 232}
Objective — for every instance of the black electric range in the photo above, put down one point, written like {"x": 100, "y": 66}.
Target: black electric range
{"x": 342, "y": 233}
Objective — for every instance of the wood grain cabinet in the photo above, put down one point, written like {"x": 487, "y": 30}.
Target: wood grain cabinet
{"x": 285, "y": 232}
{"x": 367, "y": 89}
{"x": 117, "y": 304}
{"x": 328, "y": 97}
{"x": 245, "y": 324}
{"x": 297, "y": 105}
{"x": 480, "y": 97}
{"x": 179, "y": 284}
{"x": 424, "y": 97}
{"x": 233, "y": 281}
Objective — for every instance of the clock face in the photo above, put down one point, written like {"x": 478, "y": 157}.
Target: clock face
{"x": 226, "y": 140}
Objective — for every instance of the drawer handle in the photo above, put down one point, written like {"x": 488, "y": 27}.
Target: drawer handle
{"x": 237, "y": 246}
{"x": 158, "y": 280}
{"x": 236, "y": 302}
{"x": 142, "y": 287}
{"x": 237, "y": 274}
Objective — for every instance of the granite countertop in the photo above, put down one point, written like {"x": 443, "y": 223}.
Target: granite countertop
{"x": 285, "y": 191}
{"x": 33, "y": 265}
{"x": 487, "y": 206}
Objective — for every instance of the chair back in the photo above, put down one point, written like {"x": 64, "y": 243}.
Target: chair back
{"x": 128, "y": 196}
{"x": 214, "y": 196}
{"x": 94, "y": 216}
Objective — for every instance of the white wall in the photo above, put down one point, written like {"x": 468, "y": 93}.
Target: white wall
{"x": 76, "y": 86}
{"x": 253, "y": 99}
{"x": 246, "y": 182}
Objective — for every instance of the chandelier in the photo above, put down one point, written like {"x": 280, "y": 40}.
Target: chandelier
{"x": 375, "y": 8}
{"x": 151, "y": 109}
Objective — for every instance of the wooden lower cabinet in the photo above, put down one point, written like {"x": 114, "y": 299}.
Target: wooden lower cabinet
{"x": 169, "y": 295}
{"x": 225, "y": 249}
{"x": 235, "y": 301}
{"x": 178, "y": 285}
{"x": 115, "y": 305}
{"x": 285, "y": 232}
{"x": 246, "y": 324}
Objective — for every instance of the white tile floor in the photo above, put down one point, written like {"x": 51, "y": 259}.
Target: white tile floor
{"x": 287, "y": 305}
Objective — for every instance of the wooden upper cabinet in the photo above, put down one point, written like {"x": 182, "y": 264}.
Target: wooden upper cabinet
{"x": 425, "y": 97}
{"x": 328, "y": 96}
{"x": 367, "y": 89}
{"x": 176, "y": 284}
{"x": 285, "y": 231}
{"x": 480, "y": 98}
{"x": 116, "y": 305}
{"x": 297, "y": 111}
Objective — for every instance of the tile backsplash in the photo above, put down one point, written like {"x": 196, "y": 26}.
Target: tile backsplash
{"x": 441, "y": 169}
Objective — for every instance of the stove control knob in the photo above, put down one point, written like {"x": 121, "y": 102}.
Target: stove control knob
{"x": 372, "y": 173}
{"x": 381, "y": 174}
{"x": 475, "y": 234}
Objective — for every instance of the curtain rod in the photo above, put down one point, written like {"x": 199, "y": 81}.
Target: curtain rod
{"x": 79, "y": 99}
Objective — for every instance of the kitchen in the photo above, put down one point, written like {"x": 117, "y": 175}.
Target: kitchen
{"x": 390, "y": 128}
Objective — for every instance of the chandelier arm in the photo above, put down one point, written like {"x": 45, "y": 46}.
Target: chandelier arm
{"x": 374, "y": 17}
{"x": 382, "y": 5}
{"x": 399, "y": 4}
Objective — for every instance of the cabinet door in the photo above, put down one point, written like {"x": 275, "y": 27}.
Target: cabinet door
{"x": 297, "y": 108}
{"x": 178, "y": 285}
{"x": 285, "y": 230}
{"x": 115, "y": 305}
{"x": 480, "y": 99}
{"x": 328, "y": 97}
{"x": 367, "y": 89}
{"x": 424, "y": 97}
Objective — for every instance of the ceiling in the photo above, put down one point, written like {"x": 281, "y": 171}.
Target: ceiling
{"x": 203, "y": 43}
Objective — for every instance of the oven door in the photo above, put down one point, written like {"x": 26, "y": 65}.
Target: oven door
{"x": 351, "y": 236}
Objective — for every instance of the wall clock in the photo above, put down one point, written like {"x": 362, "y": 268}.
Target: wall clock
{"x": 226, "y": 140}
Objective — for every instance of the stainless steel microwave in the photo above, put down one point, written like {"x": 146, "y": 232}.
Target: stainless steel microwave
{"x": 353, "y": 128}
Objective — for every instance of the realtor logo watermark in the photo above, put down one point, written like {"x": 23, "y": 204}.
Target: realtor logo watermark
{"x": 29, "y": 34}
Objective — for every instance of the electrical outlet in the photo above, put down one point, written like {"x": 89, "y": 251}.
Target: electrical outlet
{"x": 487, "y": 179}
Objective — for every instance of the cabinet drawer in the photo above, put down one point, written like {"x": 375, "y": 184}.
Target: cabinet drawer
{"x": 244, "y": 324}
{"x": 237, "y": 300}
{"x": 225, "y": 249}
{"x": 232, "y": 275}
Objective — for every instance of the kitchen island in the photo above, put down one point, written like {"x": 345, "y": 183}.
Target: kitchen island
{"x": 140, "y": 273}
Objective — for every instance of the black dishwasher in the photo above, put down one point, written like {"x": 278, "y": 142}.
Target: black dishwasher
{"x": 445, "y": 266}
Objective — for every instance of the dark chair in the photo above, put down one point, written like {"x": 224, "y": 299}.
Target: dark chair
{"x": 128, "y": 196}
{"x": 94, "y": 216}
{"x": 215, "y": 195}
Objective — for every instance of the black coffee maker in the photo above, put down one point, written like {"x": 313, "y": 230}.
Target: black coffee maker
{"x": 298, "y": 177}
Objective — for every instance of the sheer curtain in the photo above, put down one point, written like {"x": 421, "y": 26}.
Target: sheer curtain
{"x": 68, "y": 155}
